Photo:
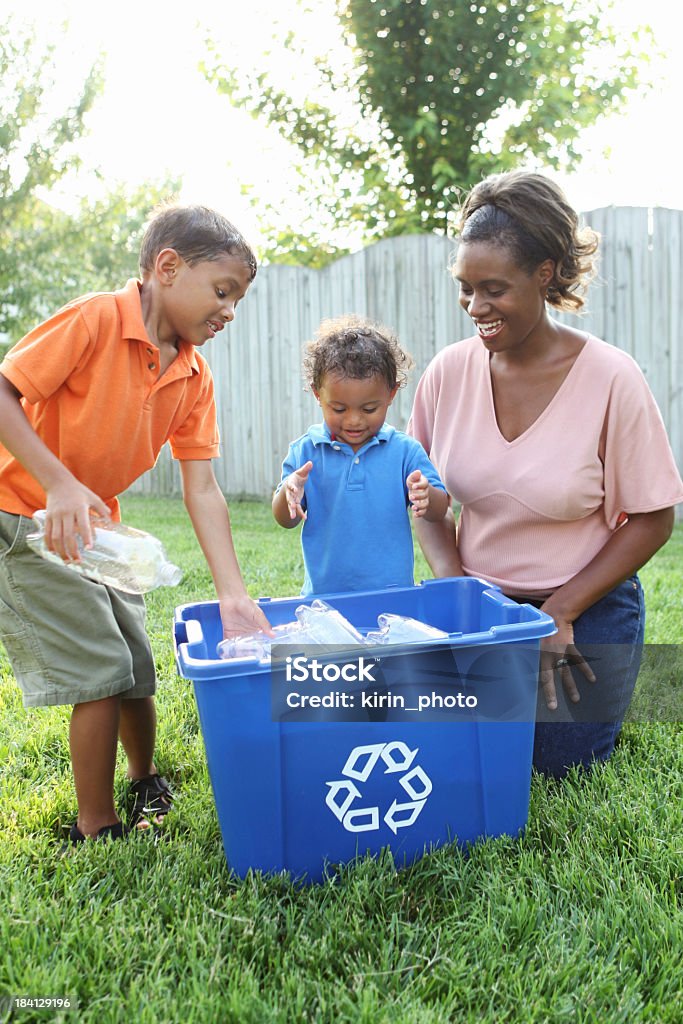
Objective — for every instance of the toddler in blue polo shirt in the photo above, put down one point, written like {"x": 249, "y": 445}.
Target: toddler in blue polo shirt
{"x": 351, "y": 478}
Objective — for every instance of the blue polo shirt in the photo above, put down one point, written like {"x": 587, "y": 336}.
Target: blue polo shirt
{"x": 357, "y": 535}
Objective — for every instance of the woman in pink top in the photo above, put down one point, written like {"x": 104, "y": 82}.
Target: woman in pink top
{"x": 551, "y": 441}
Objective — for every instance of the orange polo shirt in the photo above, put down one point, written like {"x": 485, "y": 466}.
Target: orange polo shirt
{"x": 91, "y": 391}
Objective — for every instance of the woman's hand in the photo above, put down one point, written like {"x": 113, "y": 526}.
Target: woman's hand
{"x": 629, "y": 547}
{"x": 559, "y": 655}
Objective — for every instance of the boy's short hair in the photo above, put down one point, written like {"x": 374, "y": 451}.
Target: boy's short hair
{"x": 351, "y": 346}
{"x": 196, "y": 233}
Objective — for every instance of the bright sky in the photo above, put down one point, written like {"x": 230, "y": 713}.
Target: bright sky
{"x": 159, "y": 116}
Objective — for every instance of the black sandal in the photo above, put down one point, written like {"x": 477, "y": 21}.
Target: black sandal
{"x": 153, "y": 800}
{"x": 115, "y": 831}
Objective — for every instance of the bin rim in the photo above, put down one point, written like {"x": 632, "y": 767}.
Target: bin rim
{"x": 188, "y": 631}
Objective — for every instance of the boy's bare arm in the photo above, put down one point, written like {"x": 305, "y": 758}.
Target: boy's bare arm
{"x": 208, "y": 511}
{"x": 68, "y": 502}
{"x": 287, "y": 508}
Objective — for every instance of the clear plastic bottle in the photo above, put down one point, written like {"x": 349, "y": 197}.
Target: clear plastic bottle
{"x": 325, "y": 625}
{"x": 258, "y": 645}
{"x": 401, "y": 629}
{"x": 121, "y": 556}
{"x": 316, "y": 624}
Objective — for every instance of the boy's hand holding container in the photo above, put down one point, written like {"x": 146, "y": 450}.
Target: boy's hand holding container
{"x": 67, "y": 519}
{"x": 119, "y": 556}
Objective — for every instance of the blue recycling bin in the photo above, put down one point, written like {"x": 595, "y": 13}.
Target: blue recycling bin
{"x": 301, "y": 790}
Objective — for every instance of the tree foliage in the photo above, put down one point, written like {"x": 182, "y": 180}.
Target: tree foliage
{"x": 47, "y": 256}
{"x": 445, "y": 91}
{"x": 35, "y": 152}
{"x": 56, "y": 256}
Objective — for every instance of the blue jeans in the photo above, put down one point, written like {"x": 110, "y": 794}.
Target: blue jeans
{"x": 610, "y": 636}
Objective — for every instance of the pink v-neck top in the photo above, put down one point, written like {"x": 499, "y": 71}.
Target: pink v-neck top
{"x": 537, "y": 509}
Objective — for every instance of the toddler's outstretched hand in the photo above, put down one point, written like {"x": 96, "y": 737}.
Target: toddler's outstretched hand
{"x": 295, "y": 485}
{"x": 418, "y": 492}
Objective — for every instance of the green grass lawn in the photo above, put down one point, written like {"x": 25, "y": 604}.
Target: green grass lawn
{"x": 577, "y": 921}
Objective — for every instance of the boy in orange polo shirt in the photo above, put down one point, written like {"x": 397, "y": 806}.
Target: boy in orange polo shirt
{"x": 87, "y": 400}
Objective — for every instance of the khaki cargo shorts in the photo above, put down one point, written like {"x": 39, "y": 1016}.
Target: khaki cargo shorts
{"x": 69, "y": 640}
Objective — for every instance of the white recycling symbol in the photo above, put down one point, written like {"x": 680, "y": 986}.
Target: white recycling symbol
{"x": 360, "y": 763}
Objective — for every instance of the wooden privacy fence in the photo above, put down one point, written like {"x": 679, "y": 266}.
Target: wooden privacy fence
{"x": 634, "y": 302}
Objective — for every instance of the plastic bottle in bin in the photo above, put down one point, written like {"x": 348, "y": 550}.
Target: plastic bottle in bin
{"x": 316, "y": 624}
{"x": 258, "y": 645}
{"x": 402, "y": 629}
{"x": 325, "y": 625}
{"x": 121, "y": 556}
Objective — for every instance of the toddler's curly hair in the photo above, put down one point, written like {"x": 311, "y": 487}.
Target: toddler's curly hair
{"x": 351, "y": 346}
